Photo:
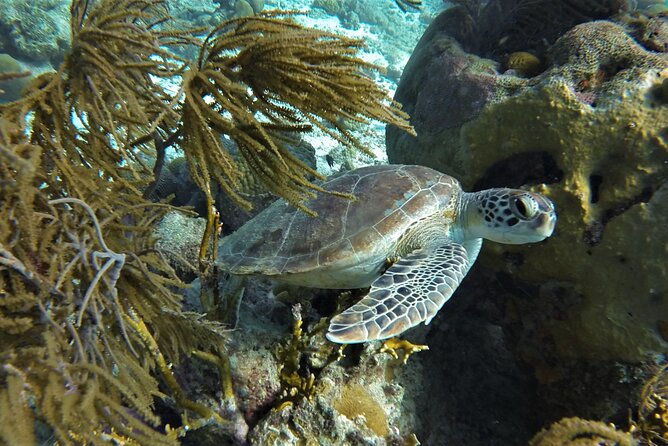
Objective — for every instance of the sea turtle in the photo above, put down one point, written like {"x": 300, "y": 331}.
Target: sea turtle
{"x": 411, "y": 234}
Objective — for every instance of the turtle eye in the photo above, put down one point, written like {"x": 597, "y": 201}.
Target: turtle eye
{"x": 523, "y": 207}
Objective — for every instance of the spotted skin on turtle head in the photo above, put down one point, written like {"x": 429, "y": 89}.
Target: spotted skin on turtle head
{"x": 512, "y": 216}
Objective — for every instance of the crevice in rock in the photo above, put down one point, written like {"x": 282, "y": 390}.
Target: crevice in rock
{"x": 593, "y": 234}
{"x": 521, "y": 169}
{"x": 595, "y": 182}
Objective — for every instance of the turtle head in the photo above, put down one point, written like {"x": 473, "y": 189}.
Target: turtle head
{"x": 509, "y": 216}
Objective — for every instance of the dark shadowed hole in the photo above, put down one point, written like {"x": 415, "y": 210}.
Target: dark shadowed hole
{"x": 521, "y": 169}
{"x": 593, "y": 233}
{"x": 595, "y": 187}
{"x": 611, "y": 69}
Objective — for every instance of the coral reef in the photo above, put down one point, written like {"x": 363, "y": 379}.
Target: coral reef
{"x": 651, "y": 31}
{"x": 293, "y": 387}
{"x": 389, "y": 33}
{"x": 92, "y": 326}
{"x": 361, "y": 405}
{"x": 356, "y": 401}
{"x": 197, "y": 13}
{"x": 589, "y": 132}
{"x": 481, "y": 391}
{"x": 497, "y": 27}
{"x": 329, "y": 6}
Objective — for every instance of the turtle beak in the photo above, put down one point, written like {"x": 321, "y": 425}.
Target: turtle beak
{"x": 551, "y": 223}
{"x": 545, "y": 223}
{"x": 548, "y": 219}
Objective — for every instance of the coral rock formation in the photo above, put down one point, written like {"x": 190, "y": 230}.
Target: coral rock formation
{"x": 36, "y": 31}
{"x": 590, "y": 132}
{"x": 13, "y": 78}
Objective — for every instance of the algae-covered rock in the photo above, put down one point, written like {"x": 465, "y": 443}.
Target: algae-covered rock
{"x": 10, "y": 90}
{"x": 179, "y": 238}
{"x": 257, "y": 5}
{"x": 651, "y": 31}
{"x": 361, "y": 405}
{"x": 243, "y": 9}
{"x": 38, "y": 31}
{"x": 292, "y": 387}
{"x": 591, "y": 133}
{"x": 330, "y": 6}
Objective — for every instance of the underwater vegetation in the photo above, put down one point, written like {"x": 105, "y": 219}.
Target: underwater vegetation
{"x": 90, "y": 315}
{"x": 579, "y": 432}
{"x": 651, "y": 421}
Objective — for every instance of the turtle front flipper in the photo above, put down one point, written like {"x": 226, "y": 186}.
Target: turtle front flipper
{"x": 411, "y": 291}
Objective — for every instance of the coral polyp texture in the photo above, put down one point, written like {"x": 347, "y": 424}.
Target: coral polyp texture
{"x": 590, "y": 132}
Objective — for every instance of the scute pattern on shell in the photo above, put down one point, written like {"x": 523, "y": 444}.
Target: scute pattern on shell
{"x": 389, "y": 199}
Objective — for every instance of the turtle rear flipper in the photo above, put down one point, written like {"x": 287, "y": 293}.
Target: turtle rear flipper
{"x": 411, "y": 291}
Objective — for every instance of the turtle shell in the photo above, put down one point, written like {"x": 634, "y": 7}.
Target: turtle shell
{"x": 345, "y": 234}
